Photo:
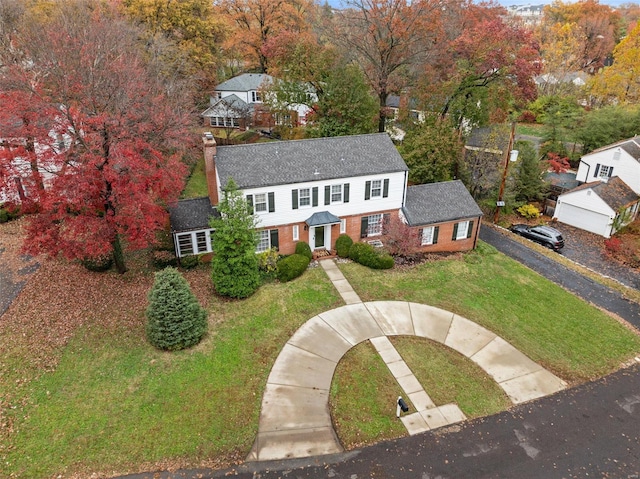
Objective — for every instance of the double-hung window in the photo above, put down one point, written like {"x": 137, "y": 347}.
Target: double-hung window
{"x": 462, "y": 230}
{"x": 603, "y": 171}
{"x": 429, "y": 235}
{"x": 260, "y": 202}
{"x": 374, "y": 189}
{"x": 267, "y": 239}
{"x": 304, "y": 197}
{"x": 375, "y": 225}
{"x": 336, "y": 194}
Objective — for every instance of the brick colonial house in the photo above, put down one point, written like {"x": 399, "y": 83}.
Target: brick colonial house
{"x": 314, "y": 190}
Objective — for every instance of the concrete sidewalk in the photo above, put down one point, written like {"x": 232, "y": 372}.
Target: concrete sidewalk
{"x": 295, "y": 420}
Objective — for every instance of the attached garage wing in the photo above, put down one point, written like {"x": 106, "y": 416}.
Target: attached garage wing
{"x": 584, "y": 219}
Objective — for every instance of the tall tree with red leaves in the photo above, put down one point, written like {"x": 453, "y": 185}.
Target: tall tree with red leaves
{"x": 119, "y": 166}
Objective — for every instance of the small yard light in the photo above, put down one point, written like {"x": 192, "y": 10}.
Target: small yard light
{"x": 402, "y": 406}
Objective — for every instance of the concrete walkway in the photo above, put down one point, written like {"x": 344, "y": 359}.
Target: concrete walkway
{"x": 295, "y": 420}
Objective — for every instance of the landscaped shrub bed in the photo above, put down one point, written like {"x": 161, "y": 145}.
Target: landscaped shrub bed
{"x": 291, "y": 267}
{"x": 343, "y": 245}
{"x": 304, "y": 249}
{"x": 367, "y": 255}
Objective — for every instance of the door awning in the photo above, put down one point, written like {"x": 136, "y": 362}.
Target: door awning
{"x": 322, "y": 218}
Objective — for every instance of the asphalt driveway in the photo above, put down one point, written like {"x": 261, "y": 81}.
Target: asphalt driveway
{"x": 587, "y": 249}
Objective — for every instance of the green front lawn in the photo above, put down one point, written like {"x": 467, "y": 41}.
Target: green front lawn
{"x": 113, "y": 404}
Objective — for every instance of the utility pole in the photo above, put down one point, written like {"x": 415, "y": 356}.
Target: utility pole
{"x": 508, "y": 156}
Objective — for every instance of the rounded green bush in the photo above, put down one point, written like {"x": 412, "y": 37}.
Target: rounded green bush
{"x": 290, "y": 267}
{"x": 343, "y": 244}
{"x": 304, "y": 249}
{"x": 175, "y": 319}
{"x": 367, "y": 255}
{"x": 357, "y": 250}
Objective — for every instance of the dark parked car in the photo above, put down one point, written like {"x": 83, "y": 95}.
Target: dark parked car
{"x": 545, "y": 235}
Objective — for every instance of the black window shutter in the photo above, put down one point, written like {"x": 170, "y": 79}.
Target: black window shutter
{"x": 470, "y": 230}
{"x": 367, "y": 190}
{"x": 294, "y": 199}
{"x": 327, "y": 195}
{"x": 455, "y": 232}
{"x": 345, "y": 193}
{"x": 250, "y": 201}
{"x": 364, "y": 226}
{"x": 595, "y": 175}
{"x": 272, "y": 202}
{"x": 385, "y": 188}
{"x": 274, "y": 238}
{"x": 610, "y": 171}
{"x": 435, "y": 234}
{"x": 315, "y": 196}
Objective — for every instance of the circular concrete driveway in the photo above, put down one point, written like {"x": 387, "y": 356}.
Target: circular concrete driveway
{"x": 295, "y": 420}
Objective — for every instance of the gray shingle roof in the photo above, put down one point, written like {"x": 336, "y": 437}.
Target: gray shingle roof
{"x": 192, "y": 214}
{"x": 631, "y": 146}
{"x": 322, "y": 218}
{"x": 494, "y": 139}
{"x": 615, "y": 192}
{"x": 298, "y": 161}
{"x": 244, "y": 82}
{"x": 439, "y": 202}
{"x": 226, "y": 105}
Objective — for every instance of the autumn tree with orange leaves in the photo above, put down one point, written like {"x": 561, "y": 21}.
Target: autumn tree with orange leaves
{"x": 594, "y": 31}
{"x": 388, "y": 38}
{"x": 254, "y": 23}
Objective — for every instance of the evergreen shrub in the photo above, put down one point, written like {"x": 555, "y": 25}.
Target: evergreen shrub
{"x": 290, "y": 267}
{"x": 343, "y": 244}
{"x": 303, "y": 248}
{"x": 175, "y": 319}
{"x": 367, "y": 255}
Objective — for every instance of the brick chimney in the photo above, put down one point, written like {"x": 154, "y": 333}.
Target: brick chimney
{"x": 209, "y": 144}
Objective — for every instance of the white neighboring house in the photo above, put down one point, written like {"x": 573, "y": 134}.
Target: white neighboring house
{"x": 599, "y": 207}
{"x": 238, "y": 103}
{"x": 608, "y": 197}
{"x": 620, "y": 159}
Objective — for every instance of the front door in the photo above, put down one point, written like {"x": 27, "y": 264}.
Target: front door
{"x": 319, "y": 241}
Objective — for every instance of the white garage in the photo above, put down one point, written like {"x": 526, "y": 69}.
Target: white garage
{"x": 595, "y": 206}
